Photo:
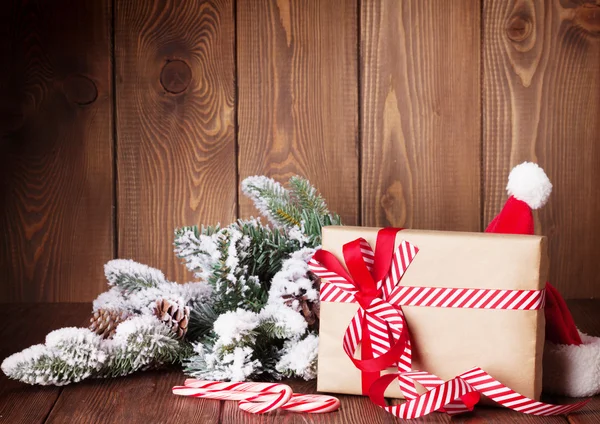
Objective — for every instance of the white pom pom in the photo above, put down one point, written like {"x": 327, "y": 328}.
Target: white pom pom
{"x": 529, "y": 183}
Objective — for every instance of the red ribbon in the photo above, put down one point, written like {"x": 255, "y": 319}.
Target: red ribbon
{"x": 365, "y": 282}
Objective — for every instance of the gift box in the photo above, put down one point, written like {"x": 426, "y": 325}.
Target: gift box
{"x": 468, "y": 300}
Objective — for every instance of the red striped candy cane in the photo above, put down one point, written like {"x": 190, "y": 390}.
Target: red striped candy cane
{"x": 258, "y": 398}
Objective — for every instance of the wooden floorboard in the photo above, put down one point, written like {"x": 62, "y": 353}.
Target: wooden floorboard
{"x": 146, "y": 397}
{"x": 25, "y": 325}
{"x": 141, "y": 398}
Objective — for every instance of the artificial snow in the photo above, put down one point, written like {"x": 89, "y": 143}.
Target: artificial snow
{"x": 289, "y": 322}
{"x": 220, "y": 365}
{"x": 252, "y": 187}
{"x": 138, "y": 325}
{"x": 292, "y": 280}
{"x": 200, "y": 253}
{"x": 231, "y": 327}
{"x": 111, "y": 299}
{"x": 72, "y": 336}
{"x": 300, "y": 357}
{"x": 298, "y": 233}
{"x": 117, "y": 267}
{"x": 26, "y": 356}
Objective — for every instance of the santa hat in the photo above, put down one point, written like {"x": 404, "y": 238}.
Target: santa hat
{"x": 571, "y": 358}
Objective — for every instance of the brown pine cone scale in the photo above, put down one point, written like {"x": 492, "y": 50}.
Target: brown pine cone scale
{"x": 104, "y": 322}
{"x": 173, "y": 315}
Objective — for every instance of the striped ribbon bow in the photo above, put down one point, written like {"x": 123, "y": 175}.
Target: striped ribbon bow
{"x": 371, "y": 281}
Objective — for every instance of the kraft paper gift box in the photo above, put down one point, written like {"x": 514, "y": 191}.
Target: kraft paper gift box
{"x": 508, "y": 344}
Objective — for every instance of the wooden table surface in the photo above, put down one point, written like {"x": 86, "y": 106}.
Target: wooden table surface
{"x": 146, "y": 397}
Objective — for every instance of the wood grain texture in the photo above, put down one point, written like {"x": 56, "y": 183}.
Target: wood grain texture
{"x": 146, "y": 397}
{"x": 140, "y": 398}
{"x": 29, "y": 324}
{"x": 176, "y": 117}
{"x": 297, "y": 77}
{"x": 353, "y": 410}
{"x": 55, "y": 149}
{"x": 360, "y": 410}
{"x": 421, "y": 138}
{"x": 541, "y": 101}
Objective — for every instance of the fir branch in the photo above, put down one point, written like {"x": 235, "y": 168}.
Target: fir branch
{"x": 307, "y": 196}
{"x": 313, "y": 225}
{"x": 288, "y": 217}
{"x": 238, "y": 261}
{"x": 141, "y": 342}
{"x": 269, "y": 330}
{"x": 267, "y": 249}
{"x": 213, "y": 362}
{"x": 300, "y": 209}
{"x": 202, "y": 318}
{"x": 298, "y": 358}
{"x": 69, "y": 355}
{"x": 268, "y": 196}
{"x": 279, "y": 321}
{"x": 198, "y": 248}
{"x": 131, "y": 276}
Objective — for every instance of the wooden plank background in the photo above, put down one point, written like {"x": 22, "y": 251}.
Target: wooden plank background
{"x": 298, "y": 96}
{"x": 56, "y": 149}
{"x": 120, "y": 121}
{"x": 175, "y": 123}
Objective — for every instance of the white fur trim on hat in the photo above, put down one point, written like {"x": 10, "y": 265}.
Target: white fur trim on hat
{"x": 573, "y": 370}
{"x": 529, "y": 183}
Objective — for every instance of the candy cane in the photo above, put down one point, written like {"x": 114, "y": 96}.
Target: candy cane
{"x": 258, "y": 398}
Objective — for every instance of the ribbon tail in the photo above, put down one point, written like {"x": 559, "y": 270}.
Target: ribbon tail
{"x": 431, "y": 401}
{"x": 499, "y": 393}
{"x": 461, "y": 394}
{"x": 366, "y": 352}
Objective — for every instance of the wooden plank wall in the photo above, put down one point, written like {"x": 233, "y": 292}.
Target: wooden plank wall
{"x": 298, "y": 96}
{"x": 541, "y": 94}
{"x": 175, "y": 96}
{"x": 56, "y": 149}
{"x": 120, "y": 121}
{"x": 421, "y": 138}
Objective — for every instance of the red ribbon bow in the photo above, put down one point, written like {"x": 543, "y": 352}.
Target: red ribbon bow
{"x": 371, "y": 278}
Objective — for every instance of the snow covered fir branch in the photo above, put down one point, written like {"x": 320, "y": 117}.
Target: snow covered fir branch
{"x": 252, "y": 314}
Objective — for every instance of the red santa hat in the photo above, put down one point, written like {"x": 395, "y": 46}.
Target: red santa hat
{"x": 571, "y": 358}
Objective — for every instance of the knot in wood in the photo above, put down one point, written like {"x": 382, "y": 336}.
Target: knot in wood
{"x": 519, "y": 28}
{"x": 80, "y": 90}
{"x": 176, "y": 76}
{"x": 587, "y": 16}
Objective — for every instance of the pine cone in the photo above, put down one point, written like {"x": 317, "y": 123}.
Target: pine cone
{"x": 173, "y": 315}
{"x": 104, "y": 322}
{"x": 311, "y": 310}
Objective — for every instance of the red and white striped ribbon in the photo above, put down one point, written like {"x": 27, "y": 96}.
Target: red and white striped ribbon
{"x": 258, "y": 398}
{"x": 384, "y": 321}
{"x": 444, "y": 297}
{"x": 460, "y": 394}
{"x": 335, "y": 288}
